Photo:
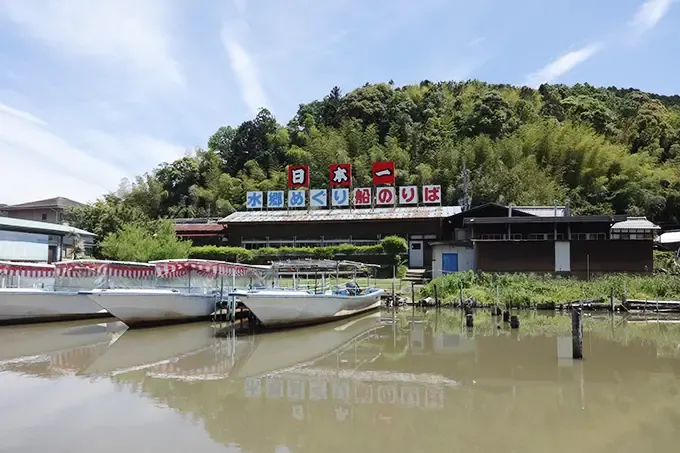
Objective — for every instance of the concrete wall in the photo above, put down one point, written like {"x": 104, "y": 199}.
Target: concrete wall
{"x": 51, "y": 215}
{"x": 466, "y": 257}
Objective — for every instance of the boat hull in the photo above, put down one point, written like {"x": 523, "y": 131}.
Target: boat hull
{"x": 140, "y": 308}
{"x": 288, "y": 309}
{"x": 19, "y": 306}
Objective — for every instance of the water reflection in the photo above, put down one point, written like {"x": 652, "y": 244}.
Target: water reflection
{"x": 401, "y": 384}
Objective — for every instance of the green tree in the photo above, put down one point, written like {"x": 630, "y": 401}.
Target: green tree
{"x": 143, "y": 243}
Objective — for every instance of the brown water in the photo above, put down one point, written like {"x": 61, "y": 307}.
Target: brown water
{"x": 419, "y": 384}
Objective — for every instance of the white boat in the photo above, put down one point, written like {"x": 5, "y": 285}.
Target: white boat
{"x": 186, "y": 290}
{"x": 27, "y": 295}
{"x": 139, "y": 307}
{"x": 292, "y": 307}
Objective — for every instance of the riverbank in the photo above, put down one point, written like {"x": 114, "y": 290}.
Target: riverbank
{"x": 532, "y": 290}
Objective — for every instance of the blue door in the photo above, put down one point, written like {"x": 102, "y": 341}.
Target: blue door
{"x": 449, "y": 262}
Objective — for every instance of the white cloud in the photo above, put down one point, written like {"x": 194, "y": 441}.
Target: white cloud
{"x": 246, "y": 73}
{"x": 649, "y": 15}
{"x": 562, "y": 65}
{"x": 37, "y": 163}
{"x": 123, "y": 34}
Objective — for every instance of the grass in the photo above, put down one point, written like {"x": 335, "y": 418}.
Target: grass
{"x": 528, "y": 290}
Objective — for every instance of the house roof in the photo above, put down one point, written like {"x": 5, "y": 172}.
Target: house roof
{"x": 542, "y": 211}
{"x": 55, "y": 203}
{"x": 31, "y": 226}
{"x": 342, "y": 215}
{"x": 566, "y": 219}
{"x": 199, "y": 228}
{"x": 635, "y": 223}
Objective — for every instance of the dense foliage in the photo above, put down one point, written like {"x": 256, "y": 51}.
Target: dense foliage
{"x": 527, "y": 290}
{"x": 603, "y": 150}
{"x": 392, "y": 246}
{"x": 145, "y": 242}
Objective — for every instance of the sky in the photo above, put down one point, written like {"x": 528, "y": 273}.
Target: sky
{"x": 94, "y": 91}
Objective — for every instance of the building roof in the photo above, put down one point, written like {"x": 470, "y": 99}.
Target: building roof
{"x": 542, "y": 211}
{"x": 54, "y": 203}
{"x": 566, "y": 219}
{"x": 31, "y": 226}
{"x": 635, "y": 223}
{"x": 340, "y": 215}
{"x": 196, "y": 228}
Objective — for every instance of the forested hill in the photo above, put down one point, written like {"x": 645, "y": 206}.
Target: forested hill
{"x": 604, "y": 150}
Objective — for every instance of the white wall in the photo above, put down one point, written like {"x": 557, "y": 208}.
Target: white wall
{"x": 19, "y": 246}
{"x": 466, "y": 258}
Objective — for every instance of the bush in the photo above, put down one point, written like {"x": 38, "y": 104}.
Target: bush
{"x": 230, "y": 254}
{"x": 394, "y": 247}
{"x": 241, "y": 255}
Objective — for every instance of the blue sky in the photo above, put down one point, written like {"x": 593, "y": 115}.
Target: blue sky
{"x": 92, "y": 91}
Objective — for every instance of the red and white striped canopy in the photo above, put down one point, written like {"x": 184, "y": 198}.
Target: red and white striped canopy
{"x": 207, "y": 268}
{"x": 91, "y": 268}
{"x": 30, "y": 270}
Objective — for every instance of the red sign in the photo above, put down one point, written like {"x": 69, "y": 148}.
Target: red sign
{"x": 362, "y": 196}
{"x": 385, "y": 195}
{"x": 341, "y": 175}
{"x": 383, "y": 173}
{"x": 432, "y": 194}
{"x": 298, "y": 176}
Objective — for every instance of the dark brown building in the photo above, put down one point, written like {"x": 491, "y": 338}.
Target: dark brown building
{"x": 493, "y": 238}
{"x": 201, "y": 231}
{"x": 363, "y": 226}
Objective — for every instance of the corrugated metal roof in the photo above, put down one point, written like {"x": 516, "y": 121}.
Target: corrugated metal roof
{"x": 541, "y": 211}
{"x": 40, "y": 227}
{"x": 199, "y": 228}
{"x": 635, "y": 223}
{"x": 335, "y": 215}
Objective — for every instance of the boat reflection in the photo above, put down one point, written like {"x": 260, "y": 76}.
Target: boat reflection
{"x": 46, "y": 349}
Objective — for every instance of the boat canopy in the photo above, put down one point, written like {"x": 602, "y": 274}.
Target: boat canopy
{"x": 26, "y": 275}
{"x": 180, "y": 267}
{"x": 198, "y": 275}
{"x": 103, "y": 274}
{"x": 311, "y": 265}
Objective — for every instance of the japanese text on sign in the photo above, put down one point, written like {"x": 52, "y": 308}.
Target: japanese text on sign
{"x": 254, "y": 200}
{"x": 296, "y": 199}
{"x": 340, "y": 175}
{"x": 275, "y": 199}
{"x": 408, "y": 195}
{"x": 385, "y": 195}
{"x": 362, "y": 196}
{"x": 318, "y": 198}
{"x": 383, "y": 173}
{"x": 432, "y": 194}
{"x": 340, "y": 197}
{"x": 298, "y": 176}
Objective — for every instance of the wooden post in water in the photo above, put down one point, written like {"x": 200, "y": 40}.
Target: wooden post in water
{"x": 436, "y": 296}
{"x": 469, "y": 321}
{"x": 496, "y": 310}
{"x": 625, "y": 294}
{"x": 611, "y": 300}
{"x": 514, "y": 322}
{"x": 461, "y": 294}
{"x": 577, "y": 333}
{"x": 413, "y": 295}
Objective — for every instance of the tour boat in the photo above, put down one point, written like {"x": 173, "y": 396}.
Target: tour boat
{"x": 60, "y": 292}
{"x": 185, "y": 290}
{"x": 27, "y": 295}
{"x": 294, "y": 307}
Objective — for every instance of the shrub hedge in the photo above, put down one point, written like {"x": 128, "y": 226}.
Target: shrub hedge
{"x": 388, "y": 246}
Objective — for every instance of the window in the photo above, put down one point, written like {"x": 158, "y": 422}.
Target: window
{"x": 44, "y": 217}
{"x": 415, "y": 245}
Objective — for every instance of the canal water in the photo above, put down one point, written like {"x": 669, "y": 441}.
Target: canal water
{"x": 384, "y": 382}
